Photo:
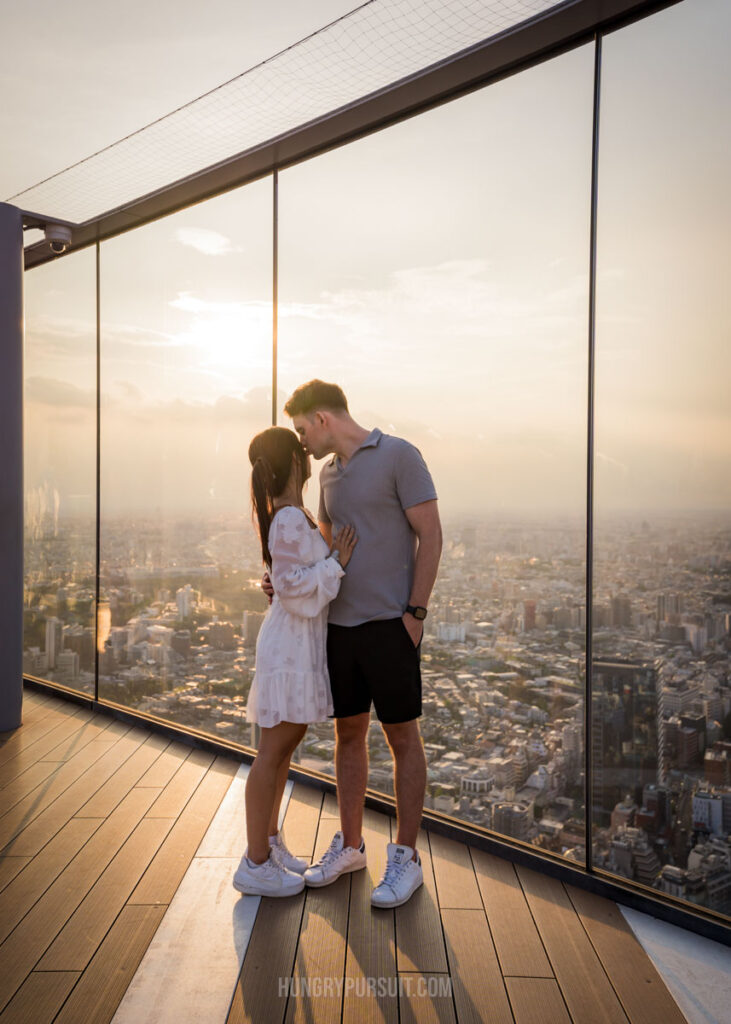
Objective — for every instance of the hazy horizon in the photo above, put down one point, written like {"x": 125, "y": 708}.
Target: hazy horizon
{"x": 438, "y": 270}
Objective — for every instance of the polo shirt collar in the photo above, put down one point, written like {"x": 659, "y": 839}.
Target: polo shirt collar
{"x": 370, "y": 442}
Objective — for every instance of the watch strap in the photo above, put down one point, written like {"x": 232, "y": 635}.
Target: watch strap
{"x": 417, "y": 610}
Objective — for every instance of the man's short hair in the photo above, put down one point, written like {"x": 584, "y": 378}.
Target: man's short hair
{"x": 314, "y": 395}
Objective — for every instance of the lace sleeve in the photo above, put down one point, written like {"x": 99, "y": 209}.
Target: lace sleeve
{"x": 303, "y": 587}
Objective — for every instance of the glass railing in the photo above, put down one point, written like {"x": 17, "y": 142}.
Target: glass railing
{"x": 439, "y": 271}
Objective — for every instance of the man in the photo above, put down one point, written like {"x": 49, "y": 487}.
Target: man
{"x": 382, "y": 486}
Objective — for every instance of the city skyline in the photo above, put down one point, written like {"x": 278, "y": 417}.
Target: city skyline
{"x": 503, "y": 667}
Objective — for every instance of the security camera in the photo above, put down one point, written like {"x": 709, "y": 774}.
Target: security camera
{"x": 58, "y": 237}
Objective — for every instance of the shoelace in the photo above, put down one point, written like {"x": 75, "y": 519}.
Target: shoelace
{"x": 393, "y": 873}
{"x": 333, "y": 851}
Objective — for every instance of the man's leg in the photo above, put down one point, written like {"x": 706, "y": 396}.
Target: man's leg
{"x": 351, "y": 774}
{"x": 404, "y": 739}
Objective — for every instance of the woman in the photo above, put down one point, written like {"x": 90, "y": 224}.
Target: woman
{"x": 291, "y": 685}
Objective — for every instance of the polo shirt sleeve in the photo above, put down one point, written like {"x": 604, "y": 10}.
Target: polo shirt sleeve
{"x": 322, "y": 516}
{"x": 414, "y": 483}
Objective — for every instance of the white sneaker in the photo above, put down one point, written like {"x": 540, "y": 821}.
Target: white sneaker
{"x": 402, "y": 877}
{"x": 336, "y": 861}
{"x": 267, "y": 879}
{"x": 285, "y": 858}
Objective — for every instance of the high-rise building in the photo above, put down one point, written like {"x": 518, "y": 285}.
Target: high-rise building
{"x": 511, "y": 819}
{"x": 624, "y": 729}
{"x": 529, "y": 616}
{"x": 54, "y": 640}
{"x": 251, "y": 624}
{"x": 184, "y": 601}
{"x": 67, "y": 667}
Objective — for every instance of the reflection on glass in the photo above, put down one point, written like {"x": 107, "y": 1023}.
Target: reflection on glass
{"x": 60, "y": 471}
{"x": 438, "y": 272}
{"x": 186, "y": 365}
{"x": 662, "y": 600}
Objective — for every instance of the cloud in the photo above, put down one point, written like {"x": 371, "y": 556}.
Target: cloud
{"x": 189, "y": 303}
{"x": 58, "y": 393}
{"x": 210, "y": 243}
{"x": 458, "y": 299}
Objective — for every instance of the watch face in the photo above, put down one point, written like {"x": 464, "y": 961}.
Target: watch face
{"x": 419, "y": 613}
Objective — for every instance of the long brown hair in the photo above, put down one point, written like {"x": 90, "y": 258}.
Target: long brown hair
{"x": 272, "y": 454}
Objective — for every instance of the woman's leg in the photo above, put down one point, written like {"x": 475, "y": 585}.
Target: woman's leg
{"x": 281, "y": 783}
{"x": 275, "y": 749}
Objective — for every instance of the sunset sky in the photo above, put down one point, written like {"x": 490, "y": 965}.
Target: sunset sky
{"x": 438, "y": 270}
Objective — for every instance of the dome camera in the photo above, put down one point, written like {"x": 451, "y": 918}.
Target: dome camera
{"x": 58, "y": 237}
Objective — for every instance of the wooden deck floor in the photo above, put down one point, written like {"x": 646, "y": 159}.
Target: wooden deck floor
{"x": 99, "y": 822}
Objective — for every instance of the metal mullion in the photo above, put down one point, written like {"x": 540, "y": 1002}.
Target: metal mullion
{"x": 275, "y": 283}
{"x": 588, "y": 689}
{"x": 97, "y": 573}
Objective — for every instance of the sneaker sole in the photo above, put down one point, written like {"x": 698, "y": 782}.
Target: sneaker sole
{"x": 396, "y": 903}
{"x": 250, "y": 890}
{"x": 329, "y": 881}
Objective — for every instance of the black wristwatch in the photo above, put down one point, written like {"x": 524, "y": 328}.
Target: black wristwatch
{"x": 417, "y": 610}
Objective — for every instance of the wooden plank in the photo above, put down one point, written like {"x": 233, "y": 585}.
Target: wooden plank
{"x": 318, "y": 967}
{"x": 162, "y": 771}
{"x": 104, "y": 982}
{"x": 183, "y": 784}
{"x": 61, "y": 775}
{"x": 10, "y": 867}
{"x": 39, "y": 998}
{"x": 585, "y": 987}
{"x": 454, "y": 874}
{"x": 203, "y": 935}
{"x": 96, "y": 727}
{"x": 30, "y": 752}
{"x": 301, "y": 819}
{"x": 33, "y": 836}
{"x": 537, "y": 1001}
{"x": 20, "y": 952}
{"x": 640, "y": 988}
{"x": 39, "y": 704}
{"x": 16, "y": 789}
{"x": 419, "y": 938}
{"x": 330, "y": 807}
{"x": 261, "y": 990}
{"x": 76, "y": 943}
{"x": 63, "y": 778}
{"x": 17, "y": 899}
{"x": 518, "y": 944}
{"x": 426, "y": 999}
{"x": 103, "y": 802}
{"x": 371, "y": 949}
{"x": 15, "y": 742}
{"x": 479, "y": 989}
{"x": 162, "y": 878}
{"x": 226, "y": 835}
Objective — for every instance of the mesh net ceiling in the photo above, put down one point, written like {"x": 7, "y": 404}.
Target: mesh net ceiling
{"x": 373, "y": 47}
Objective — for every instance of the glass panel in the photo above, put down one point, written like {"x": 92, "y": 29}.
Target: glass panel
{"x": 438, "y": 272}
{"x": 662, "y": 598}
{"x": 60, "y": 471}
{"x": 186, "y": 381}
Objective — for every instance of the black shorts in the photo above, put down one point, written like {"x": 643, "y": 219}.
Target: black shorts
{"x": 374, "y": 662}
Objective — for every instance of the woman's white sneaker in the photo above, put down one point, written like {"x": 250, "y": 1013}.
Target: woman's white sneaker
{"x": 267, "y": 879}
{"x": 285, "y": 858}
{"x": 402, "y": 877}
{"x": 336, "y": 861}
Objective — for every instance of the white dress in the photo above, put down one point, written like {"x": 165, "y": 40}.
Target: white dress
{"x": 291, "y": 683}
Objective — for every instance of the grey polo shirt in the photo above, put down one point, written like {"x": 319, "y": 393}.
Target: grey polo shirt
{"x": 382, "y": 478}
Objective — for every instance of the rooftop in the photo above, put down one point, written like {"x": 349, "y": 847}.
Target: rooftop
{"x": 118, "y": 847}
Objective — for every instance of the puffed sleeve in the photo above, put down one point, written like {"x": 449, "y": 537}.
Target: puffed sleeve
{"x": 303, "y": 587}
